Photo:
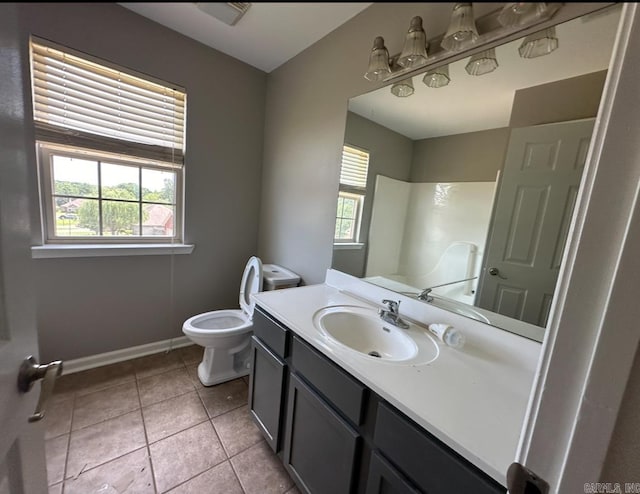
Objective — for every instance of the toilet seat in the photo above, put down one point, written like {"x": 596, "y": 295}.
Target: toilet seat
{"x": 219, "y": 321}
{"x": 251, "y": 283}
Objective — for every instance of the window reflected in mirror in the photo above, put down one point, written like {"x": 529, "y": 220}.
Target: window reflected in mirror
{"x": 351, "y": 195}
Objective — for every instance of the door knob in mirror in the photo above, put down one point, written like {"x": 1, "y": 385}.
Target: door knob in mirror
{"x": 496, "y": 272}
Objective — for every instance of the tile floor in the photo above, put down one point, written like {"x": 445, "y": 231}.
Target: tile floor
{"x": 148, "y": 426}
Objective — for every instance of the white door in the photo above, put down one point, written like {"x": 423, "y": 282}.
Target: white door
{"x": 542, "y": 172}
{"x": 22, "y": 458}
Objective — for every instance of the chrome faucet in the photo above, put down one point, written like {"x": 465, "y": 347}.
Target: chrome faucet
{"x": 392, "y": 314}
{"x": 424, "y": 294}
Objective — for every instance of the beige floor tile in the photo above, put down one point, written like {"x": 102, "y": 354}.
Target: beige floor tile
{"x": 224, "y": 397}
{"x": 67, "y": 385}
{"x": 220, "y": 479}
{"x": 236, "y": 430}
{"x": 55, "y": 489}
{"x": 158, "y": 363}
{"x": 130, "y": 473}
{"x": 173, "y": 415}
{"x": 103, "y": 442}
{"x": 191, "y": 354}
{"x": 57, "y": 419}
{"x": 293, "y": 490}
{"x": 56, "y": 453}
{"x": 192, "y": 371}
{"x": 105, "y": 404}
{"x": 106, "y": 376}
{"x": 260, "y": 471}
{"x": 184, "y": 455}
{"x": 164, "y": 386}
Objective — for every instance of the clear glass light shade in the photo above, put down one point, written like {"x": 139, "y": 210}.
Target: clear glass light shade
{"x": 519, "y": 13}
{"x": 414, "y": 51}
{"x": 378, "y": 61}
{"x": 539, "y": 44}
{"x": 403, "y": 88}
{"x": 437, "y": 78}
{"x": 462, "y": 30}
{"x": 482, "y": 63}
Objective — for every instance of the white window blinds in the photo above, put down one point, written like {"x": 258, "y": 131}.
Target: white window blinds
{"x": 77, "y": 99}
{"x": 355, "y": 166}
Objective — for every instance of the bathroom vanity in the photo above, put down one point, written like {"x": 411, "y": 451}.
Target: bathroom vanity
{"x": 345, "y": 422}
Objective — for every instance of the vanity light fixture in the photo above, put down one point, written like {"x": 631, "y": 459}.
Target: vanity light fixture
{"x": 437, "y": 77}
{"x": 403, "y": 88}
{"x": 414, "y": 51}
{"x": 378, "y": 61}
{"x": 462, "y": 34}
{"x": 482, "y": 63}
{"x": 462, "y": 31}
{"x": 520, "y": 13}
{"x": 538, "y": 44}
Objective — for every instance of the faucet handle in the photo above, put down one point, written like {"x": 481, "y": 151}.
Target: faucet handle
{"x": 393, "y": 305}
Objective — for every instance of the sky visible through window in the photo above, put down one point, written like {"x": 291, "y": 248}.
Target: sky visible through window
{"x": 86, "y": 171}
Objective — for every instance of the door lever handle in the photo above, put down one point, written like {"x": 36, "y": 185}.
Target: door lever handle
{"x": 30, "y": 372}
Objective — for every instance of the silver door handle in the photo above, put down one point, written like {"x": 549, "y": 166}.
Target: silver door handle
{"x": 30, "y": 372}
{"x": 496, "y": 272}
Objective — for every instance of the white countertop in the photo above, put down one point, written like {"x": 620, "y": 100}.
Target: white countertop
{"x": 473, "y": 399}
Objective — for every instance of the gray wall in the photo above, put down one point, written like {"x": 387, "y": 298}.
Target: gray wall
{"x": 470, "y": 157}
{"x": 389, "y": 155}
{"x": 623, "y": 458}
{"x": 93, "y": 305}
{"x": 569, "y": 99}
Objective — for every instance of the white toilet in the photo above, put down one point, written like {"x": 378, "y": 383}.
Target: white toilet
{"x": 226, "y": 334}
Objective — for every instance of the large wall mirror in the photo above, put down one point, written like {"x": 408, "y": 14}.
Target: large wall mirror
{"x": 462, "y": 195}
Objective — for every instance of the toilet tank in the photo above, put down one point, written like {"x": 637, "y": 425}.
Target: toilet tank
{"x": 276, "y": 277}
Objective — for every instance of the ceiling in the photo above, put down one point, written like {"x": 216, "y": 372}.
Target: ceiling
{"x": 470, "y": 104}
{"x": 266, "y": 36}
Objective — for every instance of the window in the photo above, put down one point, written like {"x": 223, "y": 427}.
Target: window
{"x": 110, "y": 148}
{"x": 353, "y": 183}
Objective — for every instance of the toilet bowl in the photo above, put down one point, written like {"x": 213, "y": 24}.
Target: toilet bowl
{"x": 226, "y": 334}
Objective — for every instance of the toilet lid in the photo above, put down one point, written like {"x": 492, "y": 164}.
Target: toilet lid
{"x": 251, "y": 283}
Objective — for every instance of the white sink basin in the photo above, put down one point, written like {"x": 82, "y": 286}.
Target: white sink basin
{"x": 360, "y": 329}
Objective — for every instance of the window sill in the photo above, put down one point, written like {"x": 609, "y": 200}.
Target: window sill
{"x": 51, "y": 251}
{"x": 348, "y": 246}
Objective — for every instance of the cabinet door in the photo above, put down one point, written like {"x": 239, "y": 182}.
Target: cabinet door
{"x": 385, "y": 479}
{"x": 321, "y": 448}
{"x": 266, "y": 387}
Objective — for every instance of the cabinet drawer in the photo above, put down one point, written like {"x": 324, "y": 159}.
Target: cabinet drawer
{"x": 343, "y": 391}
{"x": 432, "y": 465}
{"x": 271, "y": 332}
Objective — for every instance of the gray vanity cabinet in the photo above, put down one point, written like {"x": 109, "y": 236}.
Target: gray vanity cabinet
{"x": 323, "y": 445}
{"x": 321, "y": 448}
{"x": 267, "y": 380}
{"x": 430, "y": 464}
{"x": 385, "y": 479}
{"x": 336, "y": 436}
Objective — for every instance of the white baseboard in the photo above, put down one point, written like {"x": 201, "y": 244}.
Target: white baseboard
{"x": 84, "y": 363}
